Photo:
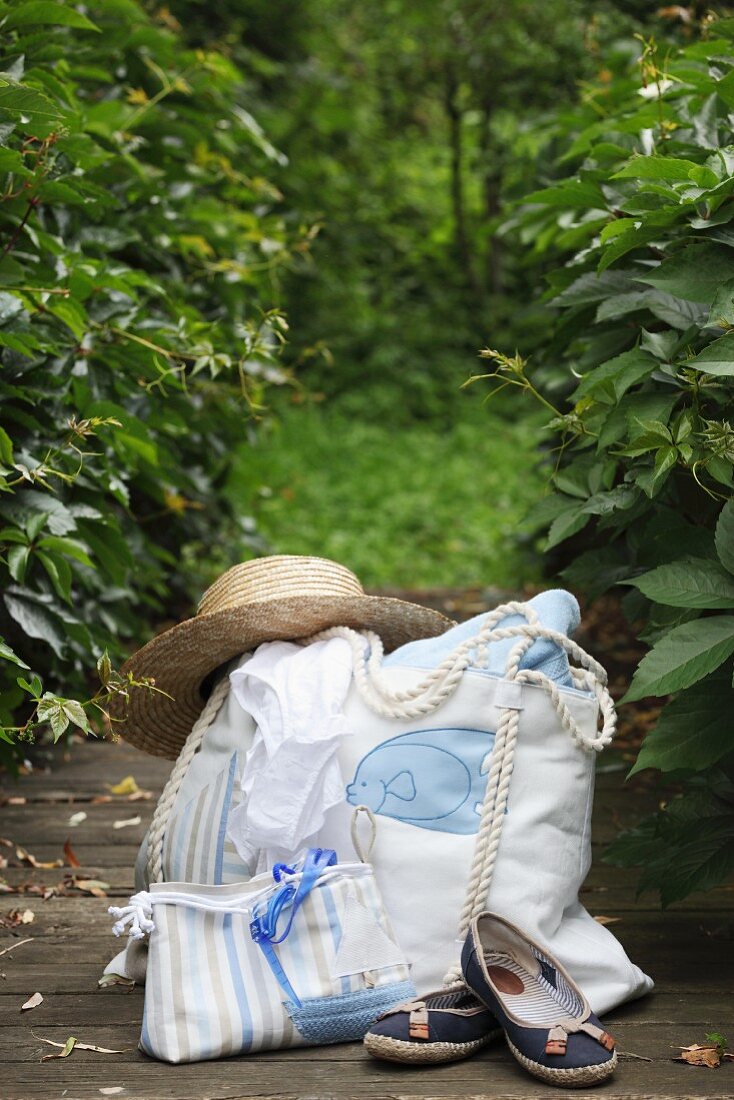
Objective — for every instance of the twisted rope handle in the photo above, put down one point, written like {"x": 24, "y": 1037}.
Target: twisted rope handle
{"x": 442, "y": 681}
{"x": 159, "y": 824}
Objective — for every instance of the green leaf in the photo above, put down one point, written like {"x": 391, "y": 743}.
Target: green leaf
{"x": 71, "y": 548}
{"x": 33, "y": 688}
{"x": 104, "y": 668}
{"x": 7, "y": 654}
{"x": 18, "y": 562}
{"x": 6, "y": 448}
{"x": 693, "y": 732}
{"x": 71, "y": 313}
{"x": 692, "y": 582}
{"x": 615, "y": 377}
{"x": 717, "y": 358}
{"x": 46, "y": 13}
{"x": 51, "y": 710}
{"x": 701, "y": 863}
{"x": 683, "y": 657}
{"x": 721, "y": 313}
{"x": 12, "y": 161}
{"x": 18, "y": 99}
{"x": 611, "y": 500}
{"x": 59, "y": 573}
{"x": 694, "y": 274}
{"x": 36, "y": 621}
{"x": 35, "y": 524}
{"x": 725, "y": 536}
{"x": 593, "y": 287}
{"x": 651, "y": 480}
{"x": 568, "y": 523}
{"x": 75, "y": 712}
{"x": 658, "y": 168}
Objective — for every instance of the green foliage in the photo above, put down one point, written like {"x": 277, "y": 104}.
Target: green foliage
{"x": 140, "y": 247}
{"x": 403, "y": 132}
{"x": 432, "y": 504}
{"x": 639, "y": 369}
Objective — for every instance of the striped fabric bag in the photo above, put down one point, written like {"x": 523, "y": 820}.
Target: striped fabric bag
{"x": 305, "y": 955}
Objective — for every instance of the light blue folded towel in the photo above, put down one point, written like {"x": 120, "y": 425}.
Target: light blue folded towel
{"x": 556, "y": 609}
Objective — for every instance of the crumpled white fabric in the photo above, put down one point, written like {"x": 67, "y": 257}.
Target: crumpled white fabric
{"x": 291, "y": 775}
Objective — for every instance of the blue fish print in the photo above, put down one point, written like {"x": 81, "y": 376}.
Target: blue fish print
{"x": 430, "y": 778}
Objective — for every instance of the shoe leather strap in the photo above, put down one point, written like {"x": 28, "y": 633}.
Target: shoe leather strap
{"x": 557, "y": 1041}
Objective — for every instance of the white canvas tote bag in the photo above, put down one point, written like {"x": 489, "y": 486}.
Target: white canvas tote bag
{"x": 480, "y": 786}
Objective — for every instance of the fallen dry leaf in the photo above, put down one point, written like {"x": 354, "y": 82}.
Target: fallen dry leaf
{"x": 607, "y": 920}
{"x": 77, "y": 818}
{"x": 115, "y": 979}
{"x": 127, "y": 785}
{"x": 99, "y": 798}
{"x": 73, "y": 1043}
{"x": 69, "y": 854}
{"x": 27, "y": 857}
{"x": 16, "y": 800}
{"x": 66, "y": 1050}
{"x": 18, "y": 916}
{"x": 5, "y": 843}
{"x": 696, "y": 1055}
{"x": 139, "y": 796}
{"x": 124, "y": 823}
{"x": 91, "y": 886}
{"x": 32, "y": 1002}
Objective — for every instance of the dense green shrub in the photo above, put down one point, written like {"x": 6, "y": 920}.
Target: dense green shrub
{"x": 140, "y": 246}
{"x": 641, "y": 367}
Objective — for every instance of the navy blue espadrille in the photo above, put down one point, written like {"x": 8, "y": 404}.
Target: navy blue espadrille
{"x": 444, "y": 1026}
{"x": 547, "y": 1021}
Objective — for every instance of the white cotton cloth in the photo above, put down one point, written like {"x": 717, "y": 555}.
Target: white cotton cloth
{"x": 291, "y": 776}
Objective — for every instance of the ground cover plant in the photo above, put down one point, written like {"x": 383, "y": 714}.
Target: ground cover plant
{"x": 140, "y": 244}
{"x": 436, "y": 503}
{"x": 638, "y": 228}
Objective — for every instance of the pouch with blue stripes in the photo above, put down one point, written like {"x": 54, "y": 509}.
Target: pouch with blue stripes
{"x": 304, "y": 955}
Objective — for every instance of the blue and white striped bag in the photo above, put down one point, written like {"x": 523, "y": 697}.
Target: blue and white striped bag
{"x": 305, "y": 955}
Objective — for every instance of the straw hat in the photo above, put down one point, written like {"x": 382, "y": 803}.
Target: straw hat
{"x": 257, "y": 601}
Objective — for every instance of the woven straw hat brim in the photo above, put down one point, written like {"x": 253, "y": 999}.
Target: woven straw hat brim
{"x": 182, "y": 657}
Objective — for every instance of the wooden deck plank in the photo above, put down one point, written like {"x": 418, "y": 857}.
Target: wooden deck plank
{"x": 688, "y": 950}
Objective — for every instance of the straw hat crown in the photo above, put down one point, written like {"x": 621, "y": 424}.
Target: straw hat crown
{"x": 267, "y": 599}
{"x": 279, "y": 577}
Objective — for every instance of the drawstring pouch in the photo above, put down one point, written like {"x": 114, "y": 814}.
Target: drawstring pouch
{"x": 303, "y": 955}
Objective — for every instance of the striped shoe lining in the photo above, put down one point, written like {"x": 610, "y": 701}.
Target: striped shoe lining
{"x": 541, "y": 1004}
{"x": 459, "y": 999}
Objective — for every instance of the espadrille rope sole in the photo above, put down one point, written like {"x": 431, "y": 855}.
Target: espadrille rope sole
{"x": 399, "y": 1050}
{"x": 567, "y": 1078}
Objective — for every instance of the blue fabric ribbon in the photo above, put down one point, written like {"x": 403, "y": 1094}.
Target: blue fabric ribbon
{"x": 264, "y": 923}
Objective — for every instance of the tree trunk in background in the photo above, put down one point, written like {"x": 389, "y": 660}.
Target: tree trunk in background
{"x": 461, "y": 236}
{"x": 492, "y": 186}
{"x": 492, "y": 205}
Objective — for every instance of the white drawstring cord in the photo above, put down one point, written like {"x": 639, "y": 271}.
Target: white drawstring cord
{"x": 137, "y": 914}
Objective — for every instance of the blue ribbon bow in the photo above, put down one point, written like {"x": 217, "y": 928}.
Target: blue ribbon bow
{"x": 264, "y": 923}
